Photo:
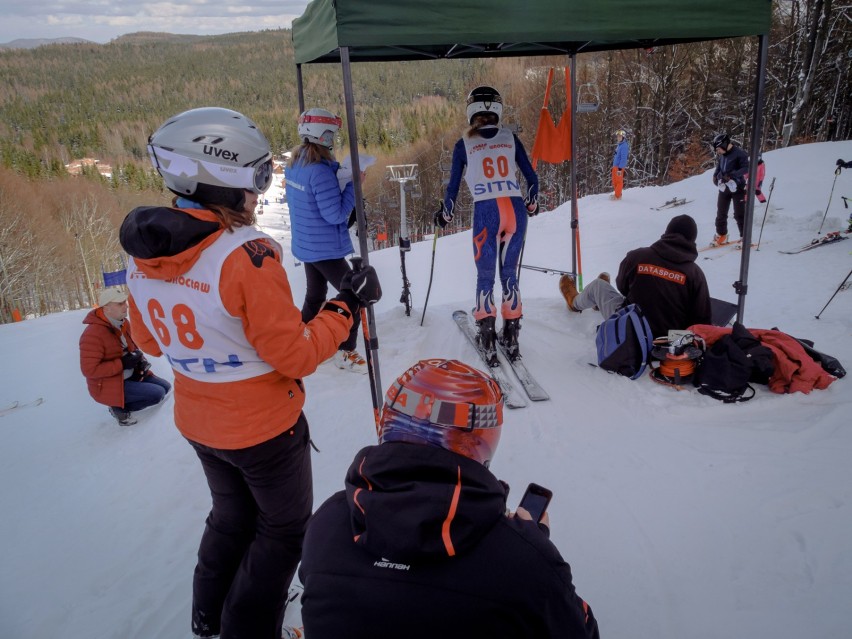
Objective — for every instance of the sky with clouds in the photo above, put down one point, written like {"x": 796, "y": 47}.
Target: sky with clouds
{"x": 103, "y": 20}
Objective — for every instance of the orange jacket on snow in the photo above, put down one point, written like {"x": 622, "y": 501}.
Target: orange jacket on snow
{"x": 795, "y": 370}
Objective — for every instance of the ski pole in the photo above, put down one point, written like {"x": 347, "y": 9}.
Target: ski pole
{"x": 765, "y": 211}
{"x": 835, "y": 293}
{"x": 431, "y": 273}
{"x": 836, "y": 174}
{"x": 521, "y": 260}
{"x": 542, "y": 269}
{"x": 369, "y": 345}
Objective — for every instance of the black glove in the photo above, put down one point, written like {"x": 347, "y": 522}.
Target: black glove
{"x": 130, "y": 360}
{"x": 363, "y": 283}
{"x": 443, "y": 216}
{"x": 143, "y": 367}
{"x": 353, "y": 217}
{"x": 531, "y": 202}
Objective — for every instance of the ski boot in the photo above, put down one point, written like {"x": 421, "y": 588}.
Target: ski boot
{"x": 509, "y": 339}
{"x": 486, "y": 337}
{"x": 719, "y": 240}
{"x": 123, "y": 417}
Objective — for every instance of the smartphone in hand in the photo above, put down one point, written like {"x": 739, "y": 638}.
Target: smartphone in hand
{"x": 535, "y": 501}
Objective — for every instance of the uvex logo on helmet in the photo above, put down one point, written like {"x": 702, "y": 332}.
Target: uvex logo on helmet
{"x": 215, "y": 151}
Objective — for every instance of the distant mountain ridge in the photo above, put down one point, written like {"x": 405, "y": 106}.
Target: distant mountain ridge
{"x": 138, "y": 37}
{"x": 32, "y": 43}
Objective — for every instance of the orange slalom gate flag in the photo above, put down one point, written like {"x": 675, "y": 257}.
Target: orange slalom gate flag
{"x": 553, "y": 142}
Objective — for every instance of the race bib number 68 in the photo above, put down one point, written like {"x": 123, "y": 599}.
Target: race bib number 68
{"x": 182, "y": 321}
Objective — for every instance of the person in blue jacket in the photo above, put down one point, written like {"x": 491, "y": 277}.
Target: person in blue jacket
{"x": 319, "y": 215}
{"x": 730, "y": 178}
{"x": 489, "y": 155}
{"x": 619, "y": 163}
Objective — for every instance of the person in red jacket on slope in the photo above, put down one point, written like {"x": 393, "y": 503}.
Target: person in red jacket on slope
{"x": 116, "y": 371}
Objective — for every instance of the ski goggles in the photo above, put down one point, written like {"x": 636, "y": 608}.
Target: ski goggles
{"x": 256, "y": 176}
{"x": 465, "y": 416}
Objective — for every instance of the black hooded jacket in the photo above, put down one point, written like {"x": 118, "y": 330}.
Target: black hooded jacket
{"x": 667, "y": 283}
{"x": 418, "y": 546}
{"x": 732, "y": 165}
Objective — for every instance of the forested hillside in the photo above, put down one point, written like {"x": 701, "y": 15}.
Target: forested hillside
{"x": 64, "y": 102}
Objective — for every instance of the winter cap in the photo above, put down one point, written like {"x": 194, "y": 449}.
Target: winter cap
{"x": 109, "y": 295}
{"x": 683, "y": 225}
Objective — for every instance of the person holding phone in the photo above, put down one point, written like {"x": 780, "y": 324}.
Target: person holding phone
{"x": 420, "y": 544}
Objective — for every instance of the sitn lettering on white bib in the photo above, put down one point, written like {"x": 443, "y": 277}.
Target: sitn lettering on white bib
{"x": 189, "y": 321}
{"x": 491, "y": 169}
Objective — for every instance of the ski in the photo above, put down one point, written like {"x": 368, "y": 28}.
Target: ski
{"x": 531, "y": 387}
{"x": 737, "y": 246}
{"x": 671, "y": 204}
{"x": 511, "y": 397}
{"x": 15, "y": 405}
{"x": 829, "y": 238}
{"x": 710, "y": 247}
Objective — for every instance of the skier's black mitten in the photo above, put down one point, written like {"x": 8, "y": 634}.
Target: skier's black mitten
{"x": 364, "y": 284}
{"x": 353, "y": 217}
{"x": 350, "y": 299}
{"x": 443, "y": 216}
{"x": 844, "y": 165}
{"x": 130, "y": 360}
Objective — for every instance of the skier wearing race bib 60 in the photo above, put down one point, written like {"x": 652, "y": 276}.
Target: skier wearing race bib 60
{"x": 209, "y": 292}
{"x": 489, "y": 155}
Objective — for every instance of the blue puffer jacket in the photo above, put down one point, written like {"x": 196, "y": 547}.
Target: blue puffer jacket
{"x": 319, "y": 211}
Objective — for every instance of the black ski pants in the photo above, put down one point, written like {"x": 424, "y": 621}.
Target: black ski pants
{"x": 318, "y": 276}
{"x": 723, "y": 204}
{"x": 252, "y": 543}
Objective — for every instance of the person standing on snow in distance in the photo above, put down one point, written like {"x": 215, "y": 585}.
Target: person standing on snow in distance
{"x": 319, "y": 216}
{"x": 730, "y": 178}
{"x": 209, "y": 291}
{"x": 489, "y": 156}
{"x": 619, "y": 163}
{"x": 420, "y": 544}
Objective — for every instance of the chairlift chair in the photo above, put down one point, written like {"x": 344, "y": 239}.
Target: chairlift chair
{"x": 588, "y": 98}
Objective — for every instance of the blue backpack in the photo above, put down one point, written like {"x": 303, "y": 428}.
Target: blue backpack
{"x": 624, "y": 341}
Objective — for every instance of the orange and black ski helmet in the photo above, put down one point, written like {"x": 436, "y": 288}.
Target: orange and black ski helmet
{"x": 445, "y": 403}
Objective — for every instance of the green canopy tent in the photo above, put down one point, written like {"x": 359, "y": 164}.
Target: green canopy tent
{"x": 347, "y": 31}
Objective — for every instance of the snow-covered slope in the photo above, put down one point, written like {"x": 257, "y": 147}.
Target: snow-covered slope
{"x": 681, "y": 517}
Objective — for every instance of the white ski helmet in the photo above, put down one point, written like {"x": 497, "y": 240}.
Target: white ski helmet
{"x": 319, "y": 126}
{"x": 213, "y": 154}
{"x": 484, "y": 100}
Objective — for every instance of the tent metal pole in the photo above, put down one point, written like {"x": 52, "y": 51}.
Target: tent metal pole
{"x": 741, "y": 286}
{"x": 372, "y": 347}
{"x": 575, "y": 222}
{"x": 300, "y": 87}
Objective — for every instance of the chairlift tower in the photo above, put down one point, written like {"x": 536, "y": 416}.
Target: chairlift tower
{"x": 403, "y": 173}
